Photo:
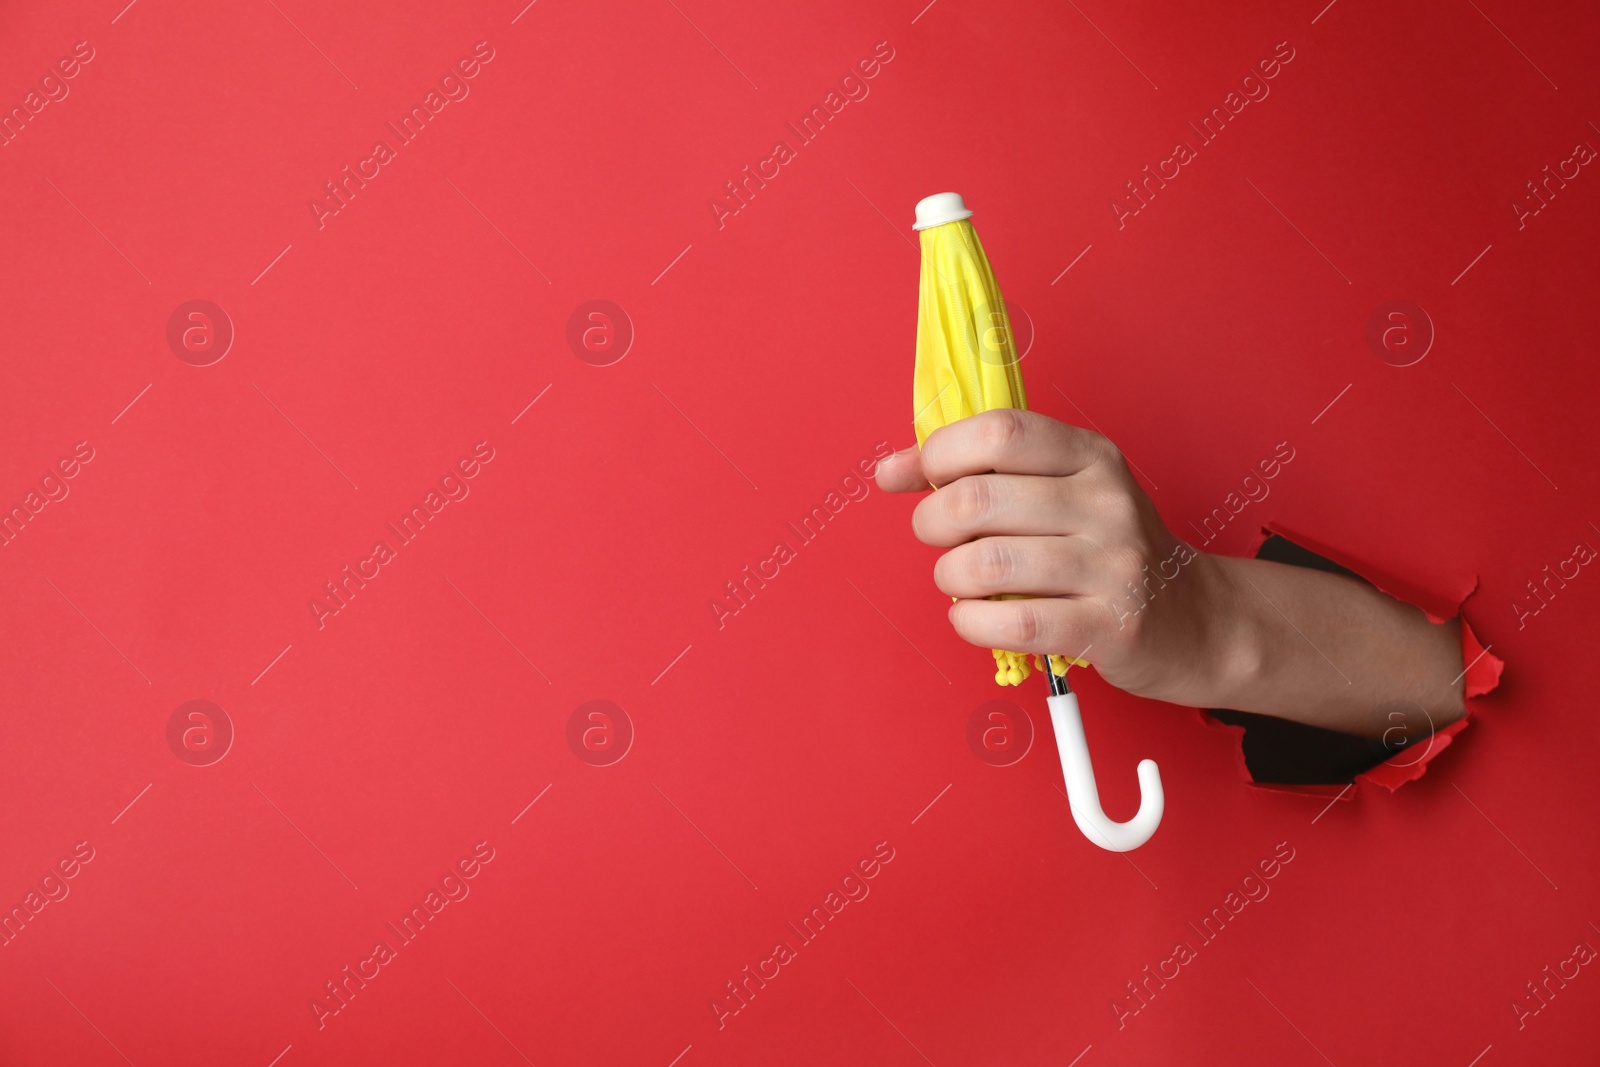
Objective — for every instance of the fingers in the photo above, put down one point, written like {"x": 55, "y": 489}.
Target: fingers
{"x": 901, "y": 472}
{"x": 1041, "y": 566}
{"x": 1010, "y": 442}
{"x": 1043, "y": 626}
{"x": 1000, "y": 504}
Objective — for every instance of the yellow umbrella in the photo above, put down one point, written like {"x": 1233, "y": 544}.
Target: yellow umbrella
{"x": 966, "y": 354}
{"x": 966, "y": 364}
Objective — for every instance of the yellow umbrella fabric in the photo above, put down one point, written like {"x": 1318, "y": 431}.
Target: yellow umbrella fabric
{"x": 966, "y": 354}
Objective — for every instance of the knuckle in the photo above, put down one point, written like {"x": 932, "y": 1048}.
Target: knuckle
{"x": 1118, "y": 513}
{"x": 1003, "y": 430}
{"x": 1127, "y": 567}
{"x": 970, "y": 501}
{"x": 1123, "y": 511}
{"x": 1025, "y": 624}
{"x": 994, "y": 564}
{"x": 1103, "y": 448}
{"x": 1116, "y": 464}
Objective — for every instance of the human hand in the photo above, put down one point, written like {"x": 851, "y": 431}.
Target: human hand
{"x": 1029, "y": 505}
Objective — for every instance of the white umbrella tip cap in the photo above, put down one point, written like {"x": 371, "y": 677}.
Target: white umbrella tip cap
{"x": 940, "y": 208}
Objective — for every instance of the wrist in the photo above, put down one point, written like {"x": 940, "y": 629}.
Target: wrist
{"x": 1231, "y": 649}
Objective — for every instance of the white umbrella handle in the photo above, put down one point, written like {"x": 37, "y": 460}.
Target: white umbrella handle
{"x": 1084, "y": 798}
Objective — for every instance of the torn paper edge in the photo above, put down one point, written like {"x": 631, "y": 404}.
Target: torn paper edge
{"x": 1482, "y": 673}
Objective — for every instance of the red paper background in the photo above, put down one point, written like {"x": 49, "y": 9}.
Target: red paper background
{"x": 774, "y": 753}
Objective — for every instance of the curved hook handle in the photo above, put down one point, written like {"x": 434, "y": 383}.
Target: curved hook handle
{"x": 1084, "y": 797}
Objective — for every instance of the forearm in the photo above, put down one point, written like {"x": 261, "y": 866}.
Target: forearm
{"x": 1326, "y": 650}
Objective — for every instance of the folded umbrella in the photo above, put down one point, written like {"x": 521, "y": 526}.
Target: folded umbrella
{"x": 966, "y": 364}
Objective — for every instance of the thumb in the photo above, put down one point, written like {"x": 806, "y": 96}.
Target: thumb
{"x": 901, "y": 472}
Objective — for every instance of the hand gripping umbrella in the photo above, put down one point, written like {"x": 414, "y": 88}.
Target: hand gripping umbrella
{"x": 967, "y": 363}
